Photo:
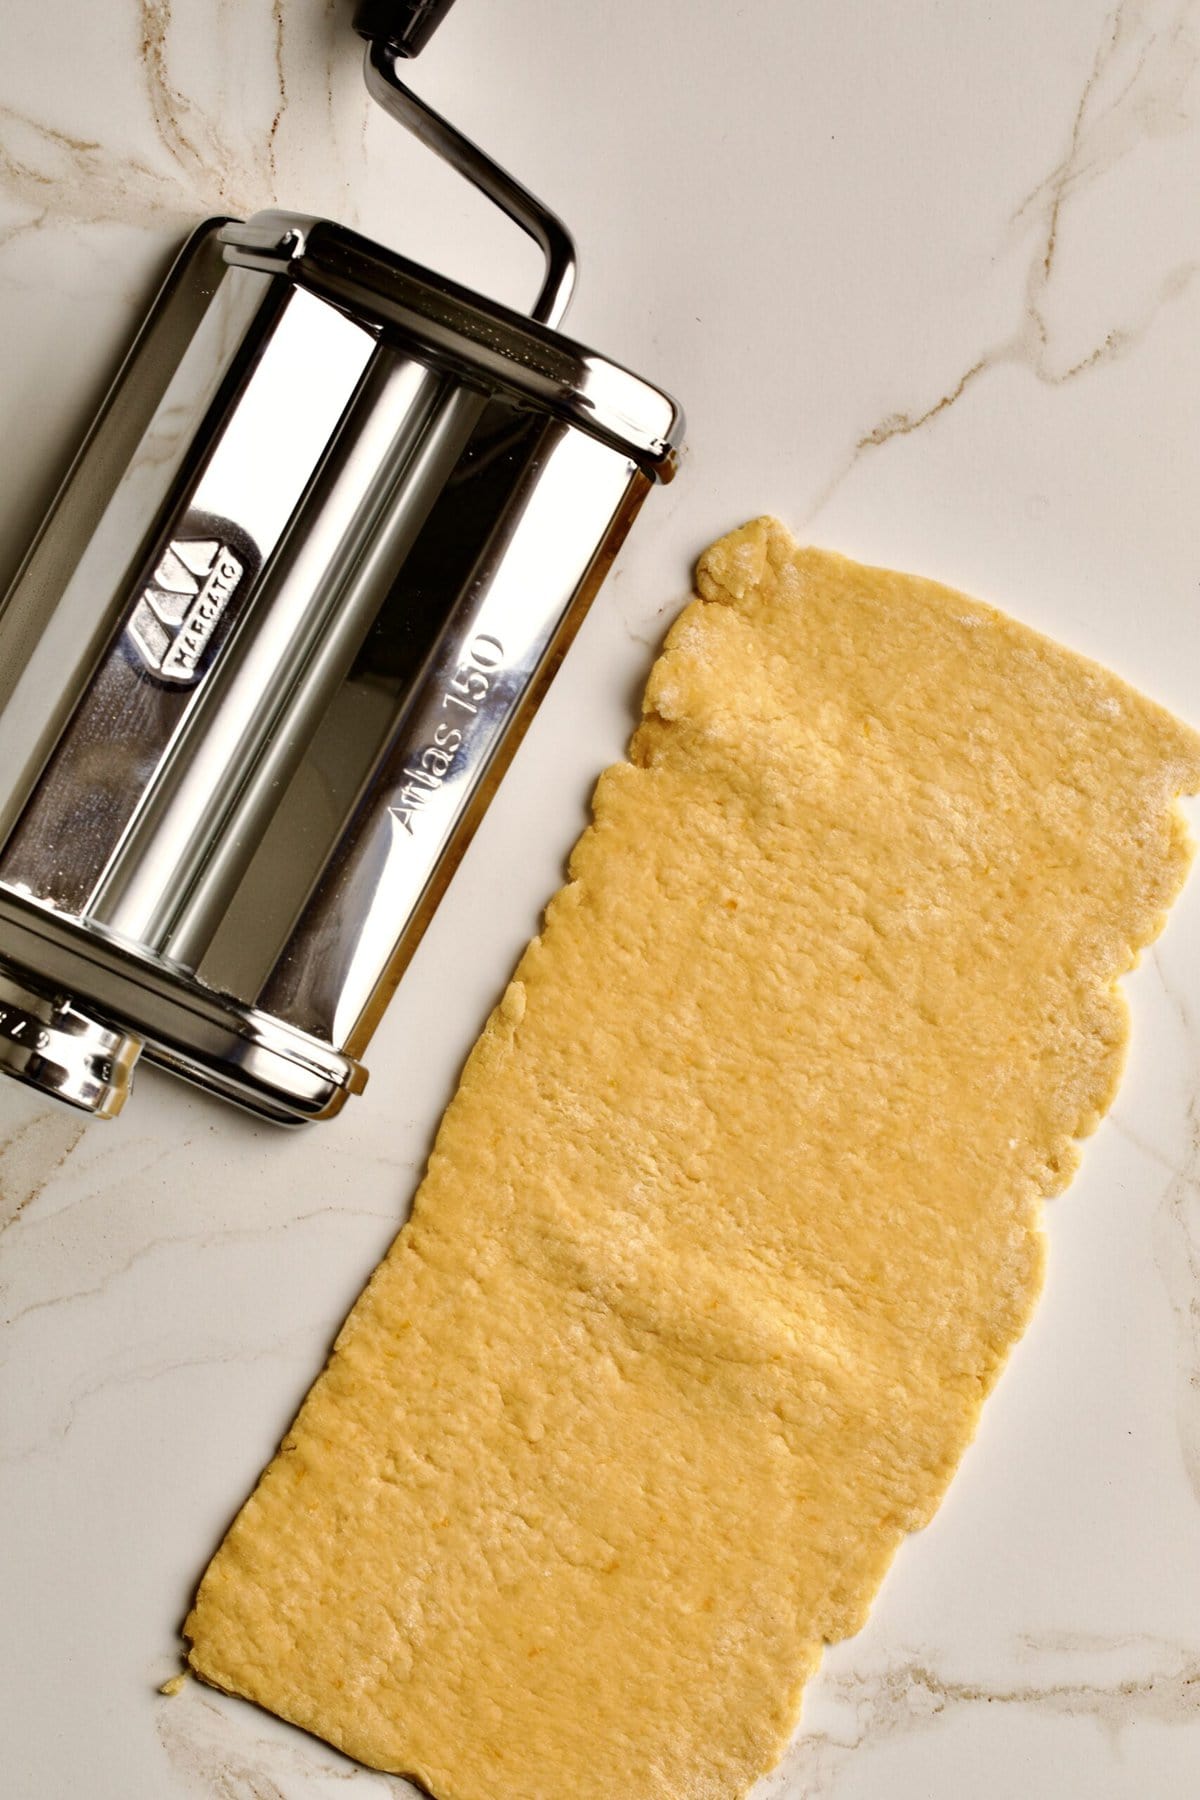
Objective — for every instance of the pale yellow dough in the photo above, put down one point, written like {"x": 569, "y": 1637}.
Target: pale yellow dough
{"x": 735, "y": 1214}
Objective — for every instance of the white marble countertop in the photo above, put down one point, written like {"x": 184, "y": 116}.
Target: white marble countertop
{"x": 927, "y": 279}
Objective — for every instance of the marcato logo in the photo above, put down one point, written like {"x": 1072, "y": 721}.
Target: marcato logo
{"x": 178, "y": 612}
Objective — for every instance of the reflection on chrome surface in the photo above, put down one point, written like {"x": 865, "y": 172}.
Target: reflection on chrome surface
{"x": 280, "y": 635}
{"x": 258, "y": 694}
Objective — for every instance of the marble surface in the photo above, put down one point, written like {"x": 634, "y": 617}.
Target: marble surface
{"x": 927, "y": 279}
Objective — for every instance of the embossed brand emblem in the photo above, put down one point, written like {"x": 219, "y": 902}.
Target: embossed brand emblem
{"x": 178, "y": 612}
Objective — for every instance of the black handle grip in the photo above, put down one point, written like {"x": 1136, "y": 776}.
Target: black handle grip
{"x": 405, "y": 26}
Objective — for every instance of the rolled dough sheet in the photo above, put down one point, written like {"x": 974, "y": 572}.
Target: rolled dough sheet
{"x": 735, "y": 1214}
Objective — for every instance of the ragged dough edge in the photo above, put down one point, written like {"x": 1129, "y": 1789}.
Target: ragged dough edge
{"x": 746, "y": 565}
{"x": 739, "y": 570}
